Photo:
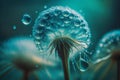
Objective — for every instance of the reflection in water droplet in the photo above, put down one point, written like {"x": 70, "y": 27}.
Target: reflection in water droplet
{"x": 26, "y": 19}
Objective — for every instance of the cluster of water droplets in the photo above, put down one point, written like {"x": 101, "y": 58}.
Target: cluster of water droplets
{"x": 57, "y": 22}
{"x": 108, "y": 44}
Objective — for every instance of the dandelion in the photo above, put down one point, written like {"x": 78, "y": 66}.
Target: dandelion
{"x": 109, "y": 48}
{"x": 20, "y": 55}
{"x": 62, "y": 31}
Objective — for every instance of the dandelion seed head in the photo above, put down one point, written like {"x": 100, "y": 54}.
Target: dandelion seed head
{"x": 22, "y": 53}
{"x": 57, "y": 22}
{"x": 107, "y": 45}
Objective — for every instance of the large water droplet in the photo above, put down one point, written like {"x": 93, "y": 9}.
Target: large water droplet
{"x": 26, "y": 19}
{"x": 83, "y": 65}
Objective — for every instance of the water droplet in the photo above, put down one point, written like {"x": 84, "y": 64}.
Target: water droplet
{"x": 82, "y": 25}
{"x": 66, "y": 21}
{"x": 14, "y": 27}
{"x": 83, "y": 65}
{"x": 77, "y": 23}
{"x": 37, "y": 42}
{"x": 45, "y": 6}
{"x": 57, "y": 12}
{"x": 101, "y": 45}
{"x": 26, "y": 19}
{"x": 36, "y": 11}
{"x": 43, "y": 23}
{"x": 65, "y": 13}
{"x": 37, "y": 37}
{"x": 61, "y": 17}
{"x": 71, "y": 16}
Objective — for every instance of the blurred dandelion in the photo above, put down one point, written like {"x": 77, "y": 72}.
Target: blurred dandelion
{"x": 62, "y": 31}
{"x": 20, "y": 55}
{"x": 109, "y": 48}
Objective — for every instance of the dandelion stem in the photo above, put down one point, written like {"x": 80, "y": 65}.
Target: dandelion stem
{"x": 63, "y": 54}
{"x": 116, "y": 58}
{"x": 107, "y": 70}
{"x": 118, "y": 69}
{"x": 65, "y": 66}
{"x": 26, "y": 74}
{"x": 36, "y": 76}
{"x": 63, "y": 46}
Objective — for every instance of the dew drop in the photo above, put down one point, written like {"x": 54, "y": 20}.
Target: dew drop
{"x": 26, "y": 19}
{"x": 65, "y": 13}
{"x": 14, "y": 27}
{"x": 77, "y": 23}
{"x": 36, "y": 11}
{"x": 45, "y": 6}
{"x": 71, "y": 16}
{"x": 57, "y": 12}
{"x": 83, "y": 65}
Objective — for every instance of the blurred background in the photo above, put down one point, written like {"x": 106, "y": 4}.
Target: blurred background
{"x": 102, "y": 16}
